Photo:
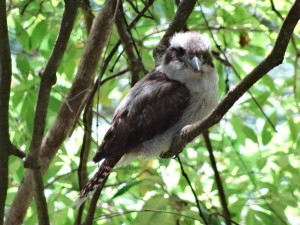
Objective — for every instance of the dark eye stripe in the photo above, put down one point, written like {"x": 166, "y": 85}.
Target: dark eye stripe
{"x": 180, "y": 51}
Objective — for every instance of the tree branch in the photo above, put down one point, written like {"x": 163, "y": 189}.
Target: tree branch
{"x": 193, "y": 191}
{"x": 275, "y": 58}
{"x": 178, "y": 23}
{"x": 111, "y": 54}
{"x": 87, "y": 121}
{"x": 84, "y": 153}
{"x": 47, "y": 81}
{"x": 226, "y": 212}
{"x": 92, "y": 207}
{"x": 71, "y": 107}
{"x": 16, "y": 152}
{"x": 5, "y": 80}
{"x": 39, "y": 197}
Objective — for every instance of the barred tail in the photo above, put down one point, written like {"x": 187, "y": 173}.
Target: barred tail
{"x": 98, "y": 179}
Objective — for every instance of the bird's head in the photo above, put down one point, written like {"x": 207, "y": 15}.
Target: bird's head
{"x": 188, "y": 51}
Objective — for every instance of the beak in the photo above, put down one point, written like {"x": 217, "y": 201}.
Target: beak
{"x": 195, "y": 63}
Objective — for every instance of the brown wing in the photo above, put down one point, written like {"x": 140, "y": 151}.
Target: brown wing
{"x": 152, "y": 106}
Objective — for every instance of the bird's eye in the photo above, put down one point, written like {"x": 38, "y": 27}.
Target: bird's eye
{"x": 180, "y": 51}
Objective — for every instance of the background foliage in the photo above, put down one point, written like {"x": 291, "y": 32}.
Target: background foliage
{"x": 257, "y": 144}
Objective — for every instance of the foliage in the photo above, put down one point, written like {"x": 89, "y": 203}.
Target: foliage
{"x": 257, "y": 144}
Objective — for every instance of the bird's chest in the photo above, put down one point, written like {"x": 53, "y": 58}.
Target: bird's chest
{"x": 203, "y": 99}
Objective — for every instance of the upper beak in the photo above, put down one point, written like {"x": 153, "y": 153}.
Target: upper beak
{"x": 195, "y": 63}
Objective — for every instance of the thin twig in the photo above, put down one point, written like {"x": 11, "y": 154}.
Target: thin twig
{"x": 16, "y": 152}
{"x": 59, "y": 177}
{"x": 221, "y": 215}
{"x": 27, "y": 3}
{"x": 135, "y": 63}
{"x": 218, "y": 180}
{"x": 275, "y": 10}
{"x": 120, "y": 73}
{"x": 108, "y": 216}
{"x": 137, "y": 10}
{"x": 194, "y": 193}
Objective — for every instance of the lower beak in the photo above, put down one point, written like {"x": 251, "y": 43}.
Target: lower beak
{"x": 195, "y": 64}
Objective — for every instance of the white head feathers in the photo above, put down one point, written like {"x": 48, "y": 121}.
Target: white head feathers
{"x": 190, "y": 41}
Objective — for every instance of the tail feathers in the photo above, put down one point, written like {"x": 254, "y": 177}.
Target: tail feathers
{"x": 98, "y": 179}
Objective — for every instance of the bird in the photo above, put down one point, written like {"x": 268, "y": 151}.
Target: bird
{"x": 179, "y": 92}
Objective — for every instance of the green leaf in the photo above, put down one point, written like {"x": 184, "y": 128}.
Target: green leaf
{"x": 38, "y": 34}
{"x": 22, "y": 36}
{"x": 267, "y": 133}
{"x": 250, "y": 133}
{"x": 23, "y": 65}
{"x": 125, "y": 188}
{"x": 157, "y": 202}
{"x": 250, "y": 218}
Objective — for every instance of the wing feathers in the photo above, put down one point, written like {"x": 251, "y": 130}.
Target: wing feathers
{"x": 152, "y": 106}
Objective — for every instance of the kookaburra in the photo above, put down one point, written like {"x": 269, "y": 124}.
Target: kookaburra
{"x": 179, "y": 92}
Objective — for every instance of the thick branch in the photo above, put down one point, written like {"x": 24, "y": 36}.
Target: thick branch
{"x": 5, "y": 80}
{"x": 71, "y": 107}
{"x": 92, "y": 208}
{"x": 275, "y": 58}
{"x": 178, "y": 23}
{"x": 111, "y": 54}
{"x": 48, "y": 79}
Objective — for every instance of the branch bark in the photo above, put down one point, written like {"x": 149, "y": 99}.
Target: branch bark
{"x": 275, "y": 58}
{"x": 92, "y": 208}
{"x": 70, "y": 108}
{"x": 5, "y": 80}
